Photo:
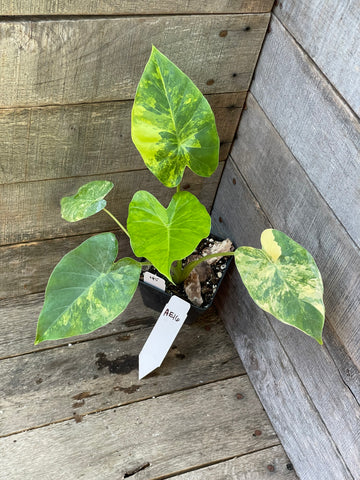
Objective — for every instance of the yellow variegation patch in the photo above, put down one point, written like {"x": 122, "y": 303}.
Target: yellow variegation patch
{"x": 172, "y": 124}
{"x": 283, "y": 279}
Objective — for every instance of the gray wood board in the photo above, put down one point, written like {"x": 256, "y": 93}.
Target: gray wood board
{"x": 319, "y": 128}
{"x": 271, "y": 464}
{"x": 294, "y": 206}
{"x": 49, "y": 62}
{"x": 74, "y": 140}
{"x": 26, "y": 267}
{"x": 329, "y": 32}
{"x": 129, "y": 7}
{"x": 31, "y": 211}
{"x": 57, "y": 384}
{"x": 196, "y": 427}
{"x": 296, "y": 379}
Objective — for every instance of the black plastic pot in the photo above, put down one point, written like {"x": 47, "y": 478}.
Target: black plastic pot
{"x": 156, "y": 298}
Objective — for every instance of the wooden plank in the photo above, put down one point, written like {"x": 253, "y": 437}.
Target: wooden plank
{"x": 293, "y": 205}
{"x": 121, "y": 439}
{"x": 107, "y": 370}
{"x": 129, "y": 7}
{"x": 271, "y": 463}
{"x": 305, "y": 418}
{"x": 329, "y": 32}
{"x": 28, "y": 265}
{"x": 319, "y": 128}
{"x": 47, "y": 62}
{"x": 31, "y": 211}
{"x": 75, "y": 140}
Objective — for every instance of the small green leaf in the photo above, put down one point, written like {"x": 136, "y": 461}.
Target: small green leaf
{"x": 164, "y": 235}
{"x": 284, "y": 280}
{"x": 86, "y": 202}
{"x": 173, "y": 125}
{"x": 87, "y": 289}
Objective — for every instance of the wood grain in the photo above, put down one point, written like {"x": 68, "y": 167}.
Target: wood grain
{"x": 128, "y": 7}
{"x": 271, "y": 463}
{"x": 123, "y": 438}
{"x": 329, "y": 32}
{"x": 53, "y": 382}
{"x": 285, "y": 366}
{"x": 318, "y": 127}
{"x": 31, "y": 211}
{"x": 47, "y": 62}
{"x": 65, "y": 141}
{"x": 293, "y": 205}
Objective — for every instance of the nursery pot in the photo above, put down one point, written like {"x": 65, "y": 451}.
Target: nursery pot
{"x": 156, "y": 298}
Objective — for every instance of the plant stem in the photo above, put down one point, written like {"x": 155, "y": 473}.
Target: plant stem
{"x": 190, "y": 266}
{"x": 178, "y": 188}
{"x": 117, "y": 221}
{"x": 176, "y": 273}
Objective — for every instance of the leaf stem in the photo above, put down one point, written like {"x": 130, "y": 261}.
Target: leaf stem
{"x": 190, "y": 266}
{"x": 117, "y": 221}
{"x": 178, "y": 188}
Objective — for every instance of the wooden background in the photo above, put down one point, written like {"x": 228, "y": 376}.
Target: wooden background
{"x": 295, "y": 166}
{"x": 69, "y": 72}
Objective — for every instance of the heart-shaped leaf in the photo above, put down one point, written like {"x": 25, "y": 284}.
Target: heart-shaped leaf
{"x": 86, "y": 202}
{"x": 284, "y": 280}
{"x": 87, "y": 289}
{"x": 173, "y": 125}
{"x": 163, "y": 235}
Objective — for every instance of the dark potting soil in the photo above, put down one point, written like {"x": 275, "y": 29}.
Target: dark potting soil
{"x": 209, "y": 286}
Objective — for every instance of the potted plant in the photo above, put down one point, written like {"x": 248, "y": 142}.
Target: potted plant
{"x": 173, "y": 127}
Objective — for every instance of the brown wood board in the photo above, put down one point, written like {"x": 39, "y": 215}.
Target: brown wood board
{"x": 293, "y": 205}
{"x": 31, "y": 211}
{"x": 47, "y": 62}
{"x": 129, "y": 7}
{"x": 285, "y": 366}
{"x": 329, "y": 32}
{"x": 317, "y": 125}
{"x": 75, "y": 140}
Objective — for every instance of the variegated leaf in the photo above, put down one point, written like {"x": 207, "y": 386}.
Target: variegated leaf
{"x": 87, "y": 289}
{"x": 163, "y": 235}
{"x": 173, "y": 125}
{"x": 86, "y": 202}
{"x": 284, "y": 280}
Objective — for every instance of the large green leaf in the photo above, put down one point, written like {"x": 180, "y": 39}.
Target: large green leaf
{"x": 164, "y": 235}
{"x": 284, "y": 280}
{"x": 87, "y": 289}
{"x": 86, "y": 202}
{"x": 173, "y": 125}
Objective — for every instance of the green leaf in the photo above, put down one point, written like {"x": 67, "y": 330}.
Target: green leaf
{"x": 86, "y": 202}
{"x": 173, "y": 125}
{"x": 87, "y": 289}
{"x": 284, "y": 280}
{"x": 164, "y": 235}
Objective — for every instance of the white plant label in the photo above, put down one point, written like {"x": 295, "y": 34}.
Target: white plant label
{"x": 154, "y": 280}
{"x": 162, "y": 335}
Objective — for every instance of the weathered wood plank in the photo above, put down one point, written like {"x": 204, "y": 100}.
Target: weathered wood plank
{"x": 129, "y": 7}
{"x": 31, "y": 211}
{"x": 75, "y": 140}
{"x": 329, "y": 32}
{"x": 102, "y": 59}
{"x": 293, "y": 205}
{"x": 49, "y": 386}
{"x": 319, "y": 128}
{"x": 271, "y": 463}
{"x": 28, "y": 265}
{"x": 307, "y": 425}
{"x": 118, "y": 440}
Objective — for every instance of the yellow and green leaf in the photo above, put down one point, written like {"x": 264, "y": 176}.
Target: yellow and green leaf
{"x": 87, "y": 289}
{"x": 283, "y": 279}
{"x": 163, "y": 235}
{"x": 172, "y": 124}
{"x": 88, "y": 200}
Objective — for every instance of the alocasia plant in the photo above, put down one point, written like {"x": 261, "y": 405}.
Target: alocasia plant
{"x": 173, "y": 127}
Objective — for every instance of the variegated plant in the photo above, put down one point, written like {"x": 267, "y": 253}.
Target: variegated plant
{"x": 173, "y": 127}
